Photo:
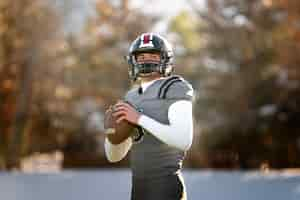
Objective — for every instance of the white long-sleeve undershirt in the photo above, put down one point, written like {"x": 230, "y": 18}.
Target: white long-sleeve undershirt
{"x": 178, "y": 133}
{"x": 116, "y": 152}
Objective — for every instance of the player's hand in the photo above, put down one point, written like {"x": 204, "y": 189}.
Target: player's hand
{"x": 124, "y": 111}
{"x": 107, "y": 118}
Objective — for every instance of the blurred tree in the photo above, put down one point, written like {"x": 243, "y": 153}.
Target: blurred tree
{"x": 245, "y": 70}
{"x": 24, "y": 43}
{"x": 97, "y": 75}
{"x": 55, "y": 84}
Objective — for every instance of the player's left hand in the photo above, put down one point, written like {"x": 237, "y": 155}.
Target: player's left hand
{"x": 124, "y": 111}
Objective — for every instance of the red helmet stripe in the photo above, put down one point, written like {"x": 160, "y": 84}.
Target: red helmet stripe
{"x": 146, "y": 39}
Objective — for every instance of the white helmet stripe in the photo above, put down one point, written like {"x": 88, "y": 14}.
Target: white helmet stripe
{"x": 146, "y": 40}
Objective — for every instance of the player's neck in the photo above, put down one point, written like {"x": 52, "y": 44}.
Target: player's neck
{"x": 150, "y": 78}
{"x": 145, "y": 83}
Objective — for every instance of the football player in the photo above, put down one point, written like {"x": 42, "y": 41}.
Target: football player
{"x": 161, "y": 105}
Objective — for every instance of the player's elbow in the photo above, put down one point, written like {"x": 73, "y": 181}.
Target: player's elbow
{"x": 112, "y": 156}
{"x": 115, "y": 153}
{"x": 113, "y": 159}
{"x": 182, "y": 146}
{"x": 186, "y": 145}
{"x": 186, "y": 141}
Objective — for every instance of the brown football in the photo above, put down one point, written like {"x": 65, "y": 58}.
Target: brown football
{"x": 117, "y": 132}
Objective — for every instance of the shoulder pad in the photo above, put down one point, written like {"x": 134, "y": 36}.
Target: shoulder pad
{"x": 176, "y": 87}
{"x": 131, "y": 92}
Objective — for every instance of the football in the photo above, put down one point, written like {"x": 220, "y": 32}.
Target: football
{"x": 117, "y": 132}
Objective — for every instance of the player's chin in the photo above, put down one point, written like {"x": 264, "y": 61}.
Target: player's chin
{"x": 141, "y": 74}
{"x": 144, "y": 75}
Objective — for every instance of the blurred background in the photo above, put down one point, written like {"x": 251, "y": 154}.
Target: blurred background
{"x": 61, "y": 64}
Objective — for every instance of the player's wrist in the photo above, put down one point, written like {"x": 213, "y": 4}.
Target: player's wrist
{"x": 137, "y": 118}
{"x": 142, "y": 118}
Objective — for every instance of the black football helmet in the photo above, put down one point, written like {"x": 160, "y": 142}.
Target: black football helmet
{"x": 149, "y": 43}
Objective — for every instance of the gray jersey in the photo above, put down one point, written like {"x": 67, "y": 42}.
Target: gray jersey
{"x": 150, "y": 158}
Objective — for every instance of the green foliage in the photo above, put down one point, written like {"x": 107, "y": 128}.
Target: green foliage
{"x": 186, "y": 26}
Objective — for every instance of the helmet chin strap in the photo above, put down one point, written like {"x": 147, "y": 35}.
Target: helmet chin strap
{"x": 146, "y": 74}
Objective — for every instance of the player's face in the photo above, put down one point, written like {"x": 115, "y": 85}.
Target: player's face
{"x": 148, "y": 58}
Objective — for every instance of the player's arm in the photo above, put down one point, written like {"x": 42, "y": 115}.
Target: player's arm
{"x": 179, "y": 132}
{"x": 117, "y": 143}
{"x": 116, "y": 152}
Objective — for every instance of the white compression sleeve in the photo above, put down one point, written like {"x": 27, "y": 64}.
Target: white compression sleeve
{"x": 115, "y": 153}
{"x": 179, "y": 132}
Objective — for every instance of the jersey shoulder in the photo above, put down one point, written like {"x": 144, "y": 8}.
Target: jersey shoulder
{"x": 176, "y": 87}
{"x": 131, "y": 93}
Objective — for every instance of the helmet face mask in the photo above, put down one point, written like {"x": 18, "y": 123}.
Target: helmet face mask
{"x": 150, "y": 43}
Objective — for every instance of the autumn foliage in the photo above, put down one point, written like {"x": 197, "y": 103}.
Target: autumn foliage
{"x": 242, "y": 58}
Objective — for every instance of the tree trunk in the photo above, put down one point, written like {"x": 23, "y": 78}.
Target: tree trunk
{"x": 22, "y": 114}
